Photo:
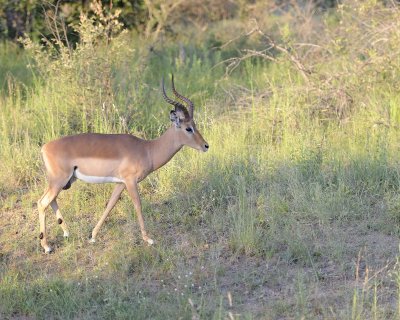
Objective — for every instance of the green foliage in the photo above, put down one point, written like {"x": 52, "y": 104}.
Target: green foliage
{"x": 293, "y": 212}
{"x": 30, "y": 18}
{"x": 85, "y": 72}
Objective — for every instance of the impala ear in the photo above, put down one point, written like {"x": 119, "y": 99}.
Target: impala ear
{"x": 173, "y": 116}
{"x": 177, "y": 116}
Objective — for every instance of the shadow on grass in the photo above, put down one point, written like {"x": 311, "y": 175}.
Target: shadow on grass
{"x": 267, "y": 235}
{"x": 308, "y": 213}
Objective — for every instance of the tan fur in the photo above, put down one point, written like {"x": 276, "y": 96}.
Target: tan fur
{"x": 121, "y": 156}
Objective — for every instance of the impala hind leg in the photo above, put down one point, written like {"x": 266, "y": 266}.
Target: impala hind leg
{"x": 51, "y": 193}
{"x": 110, "y": 205}
{"x": 134, "y": 194}
{"x": 60, "y": 219}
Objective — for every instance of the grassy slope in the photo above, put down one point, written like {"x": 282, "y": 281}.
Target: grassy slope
{"x": 294, "y": 211}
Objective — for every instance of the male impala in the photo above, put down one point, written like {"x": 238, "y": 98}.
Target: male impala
{"x": 120, "y": 158}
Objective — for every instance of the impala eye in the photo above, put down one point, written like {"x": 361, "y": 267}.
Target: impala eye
{"x": 189, "y": 129}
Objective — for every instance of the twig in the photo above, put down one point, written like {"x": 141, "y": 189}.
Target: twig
{"x": 233, "y": 63}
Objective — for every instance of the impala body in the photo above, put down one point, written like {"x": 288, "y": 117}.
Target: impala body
{"x": 119, "y": 158}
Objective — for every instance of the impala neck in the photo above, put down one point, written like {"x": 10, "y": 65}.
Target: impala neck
{"x": 164, "y": 148}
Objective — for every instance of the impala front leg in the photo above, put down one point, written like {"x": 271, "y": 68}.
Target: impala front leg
{"x": 110, "y": 205}
{"x": 132, "y": 188}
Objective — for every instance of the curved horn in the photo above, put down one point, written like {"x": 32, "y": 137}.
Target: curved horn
{"x": 176, "y": 104}
{"x": 179, "y": 96}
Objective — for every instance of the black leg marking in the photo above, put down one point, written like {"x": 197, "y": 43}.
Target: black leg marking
{"x": 41, "y": 236}
{"x": 68, "y": 185}
{"x": 59, "y": 220}
{"x": 72, "y": 179}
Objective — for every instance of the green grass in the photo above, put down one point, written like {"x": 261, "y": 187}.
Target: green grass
{"x": 294, "y": 213}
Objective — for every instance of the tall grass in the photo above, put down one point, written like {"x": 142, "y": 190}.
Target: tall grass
{"x": 294, "y": 211}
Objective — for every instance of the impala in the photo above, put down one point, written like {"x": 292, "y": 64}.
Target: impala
{"x": 119, "y": 158}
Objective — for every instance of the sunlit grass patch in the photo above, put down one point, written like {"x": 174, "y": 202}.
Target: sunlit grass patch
{"x": 292, "y": 213}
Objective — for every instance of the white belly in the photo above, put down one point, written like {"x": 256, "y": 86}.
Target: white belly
{"x": 95, "y": 179}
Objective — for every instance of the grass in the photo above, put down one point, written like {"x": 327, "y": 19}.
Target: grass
{"x": 292, "y": 214}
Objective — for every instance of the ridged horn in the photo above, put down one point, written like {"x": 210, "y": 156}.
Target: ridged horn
{"x": 183, "y": 98}
{"x": 178, "y": 106}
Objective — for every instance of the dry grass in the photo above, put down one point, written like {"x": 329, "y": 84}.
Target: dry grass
{"x": 292, "y": 214}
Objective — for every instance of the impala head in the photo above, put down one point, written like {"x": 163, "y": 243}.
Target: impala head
{"x": 183, "y": 122}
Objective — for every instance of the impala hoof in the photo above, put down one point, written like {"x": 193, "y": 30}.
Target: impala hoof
{"x": 48, "y": 250}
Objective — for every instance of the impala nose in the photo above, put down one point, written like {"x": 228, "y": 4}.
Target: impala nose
{"x": 206, "y": 146}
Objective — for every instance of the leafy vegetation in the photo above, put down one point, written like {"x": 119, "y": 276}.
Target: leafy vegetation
{"x": 293, "y": 213}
